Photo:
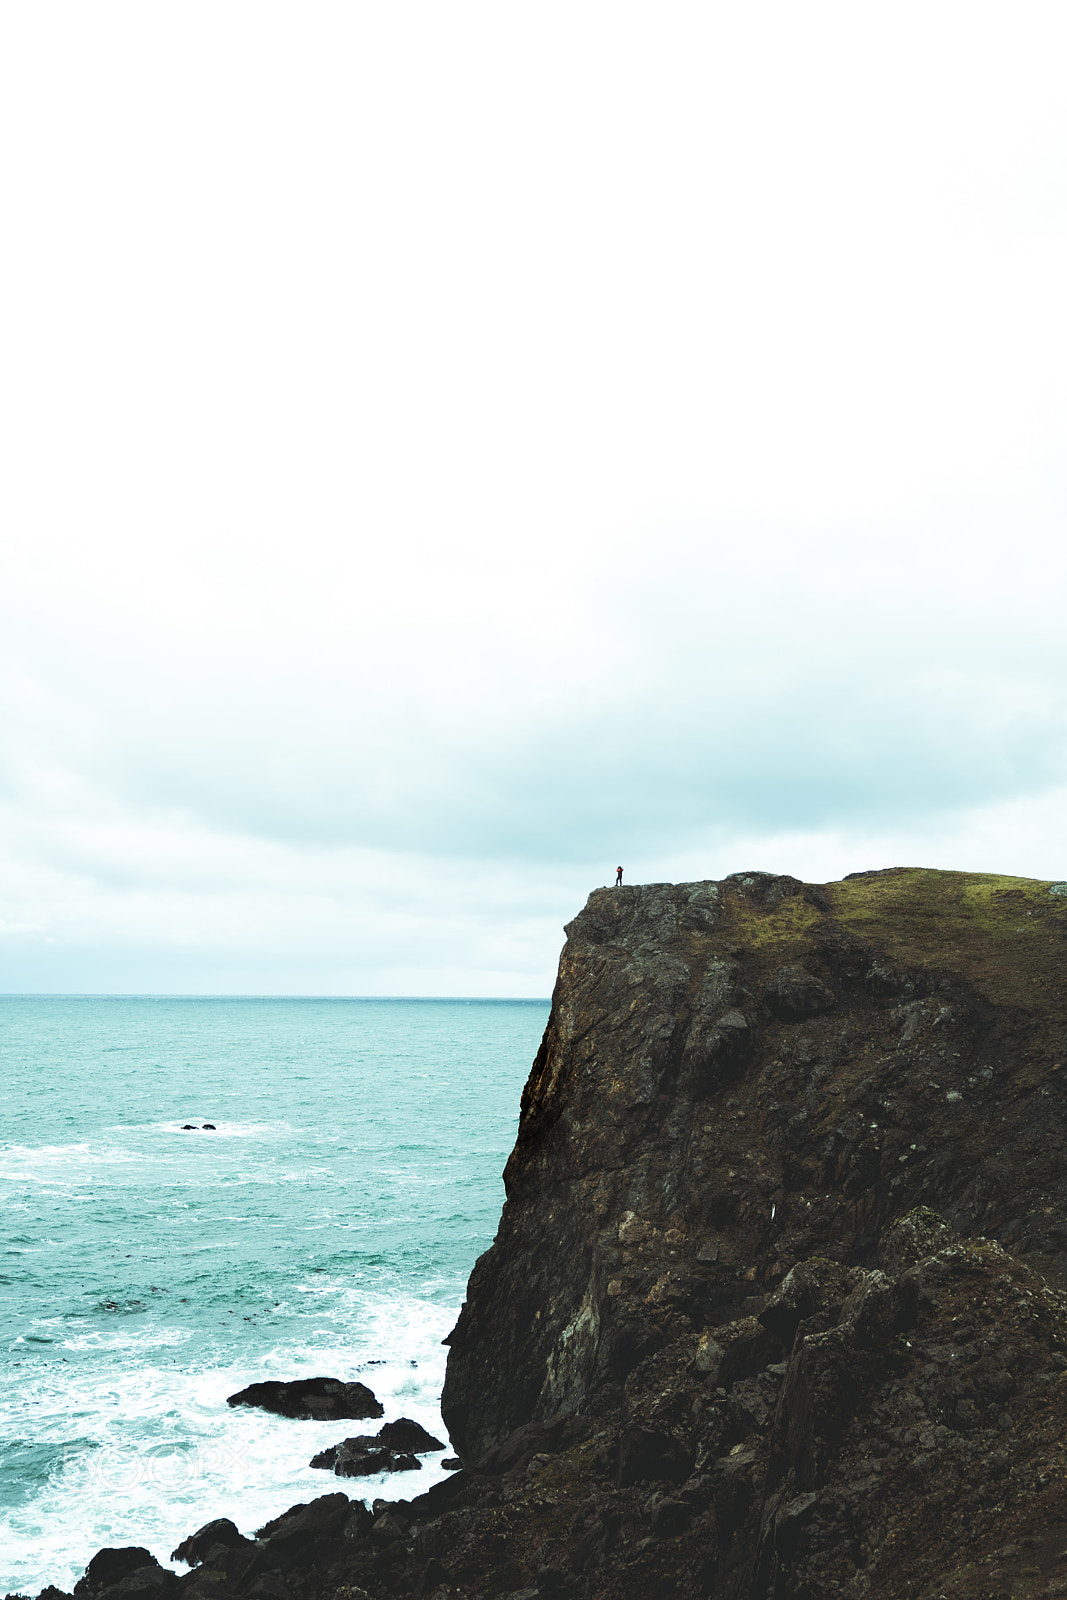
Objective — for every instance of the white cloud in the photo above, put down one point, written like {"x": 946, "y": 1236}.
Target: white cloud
{"x": 450, "y": 447}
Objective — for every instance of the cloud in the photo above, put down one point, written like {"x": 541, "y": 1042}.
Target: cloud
{"x": 454, "y": 449}
{"x": 731, "y": 679}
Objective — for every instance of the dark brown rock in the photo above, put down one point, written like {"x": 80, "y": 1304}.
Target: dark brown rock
{"x": 131, "y": 1573}
{"x": 362, "y": 1457}
{"x": 318, "y": 1399}
{"x": 392, "y": 1449}
{"x": 406, "y": 1434}
{"x": 213, "y": 1535}
{"x": 109, "y": 1566}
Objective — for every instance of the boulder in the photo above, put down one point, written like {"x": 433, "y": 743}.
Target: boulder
{"x": 315, "y": 1399}
{"x": 406, "y": 1434}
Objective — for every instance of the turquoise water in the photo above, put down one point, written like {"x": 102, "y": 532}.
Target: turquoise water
{"x": 327, "y": 1225}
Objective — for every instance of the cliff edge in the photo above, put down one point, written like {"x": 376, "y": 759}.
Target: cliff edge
{"x": 775, "y": 1309}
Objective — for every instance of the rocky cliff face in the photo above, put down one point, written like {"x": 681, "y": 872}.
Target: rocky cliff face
{"x": 774, "y": 1311}
{"x": 739, "y": 1075}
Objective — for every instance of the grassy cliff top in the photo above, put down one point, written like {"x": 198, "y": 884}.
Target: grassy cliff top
{"x": 1005, "y": 936}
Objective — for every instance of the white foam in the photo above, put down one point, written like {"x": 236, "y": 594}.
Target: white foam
{"x": 47, "y": 1163}
{"x": 218, "y": 1130}
{"x": 146, "y": 1451}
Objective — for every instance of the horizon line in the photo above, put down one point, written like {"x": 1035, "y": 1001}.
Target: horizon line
{"x": 161, "y": 994}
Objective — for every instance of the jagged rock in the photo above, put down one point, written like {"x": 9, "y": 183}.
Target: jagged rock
{"x": 131, "y": 1573}
{"x": 221, "y": 1533}
{"x": 406, "y": 1434}
{"x": 319, "y": 1399}
{"x": 387, "y": 1526}
{"x": 306, "y": 1526}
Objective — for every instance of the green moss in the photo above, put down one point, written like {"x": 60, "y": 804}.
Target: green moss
{"x": 782, "y": 930}
{"x": 1004, "y": 935}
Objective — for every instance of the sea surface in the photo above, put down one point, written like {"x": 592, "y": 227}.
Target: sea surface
{"x": 327, "y": 1226}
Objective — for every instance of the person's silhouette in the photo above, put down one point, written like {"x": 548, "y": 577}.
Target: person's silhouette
{"x": 618, "y": 876}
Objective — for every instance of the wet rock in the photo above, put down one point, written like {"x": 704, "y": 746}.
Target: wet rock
{"x": 405, "y": 1434}
{"x": 392, "y": 1449}
{"x": 306, "y": 1526}
{"x": 362, "y": 1458}
{"x": 131, "y": 1573}
{"x": 320, "y": 1399}
{"x": 213, "y": 1535}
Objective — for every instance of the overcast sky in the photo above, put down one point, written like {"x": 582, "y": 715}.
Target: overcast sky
{"x": 451, "y": 449}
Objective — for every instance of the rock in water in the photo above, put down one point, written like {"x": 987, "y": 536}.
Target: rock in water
{"x": 405, "y": 1434}
{"x": 394, "y": 1448}
{"x": 362, "y": 1458}
{"x": 319, "y": 1399}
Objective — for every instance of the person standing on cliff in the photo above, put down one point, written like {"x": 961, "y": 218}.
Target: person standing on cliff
{"x": 618, "y": 877}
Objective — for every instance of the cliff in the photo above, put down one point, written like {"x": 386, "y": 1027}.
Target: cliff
{"x": 739, "y": 1075}
{"x": 775, "y": 1307}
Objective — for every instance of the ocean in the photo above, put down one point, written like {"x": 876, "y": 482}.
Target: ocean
{"x": 326, "y": 1226}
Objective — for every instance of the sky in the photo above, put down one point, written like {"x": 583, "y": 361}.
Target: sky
{"x": 450, "y": 450}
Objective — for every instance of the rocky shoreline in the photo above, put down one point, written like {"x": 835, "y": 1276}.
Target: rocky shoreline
{"x": 775, "y": 1309}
